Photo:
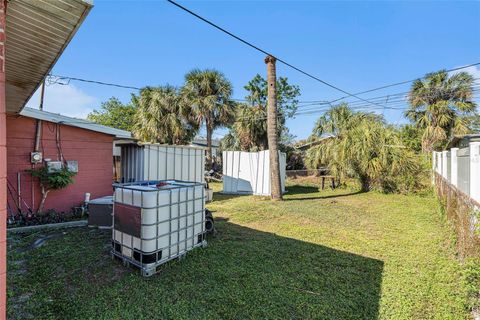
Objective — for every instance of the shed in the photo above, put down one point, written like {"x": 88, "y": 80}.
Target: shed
{"x": 200, "y": 141}
{"x": 87, "y": 143}
{"x": 249, "y": 172}
{"x": 145, "y": 161}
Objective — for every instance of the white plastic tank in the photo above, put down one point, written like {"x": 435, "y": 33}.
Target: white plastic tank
{"x": 157, "y": 221}
{"x": 142, "y": 162}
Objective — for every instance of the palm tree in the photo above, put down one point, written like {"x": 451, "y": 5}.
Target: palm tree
{"x": 272, "y": 129}
{"x": 363, "y": 147}
{"x": 208, "y": 93}
{"x": 162, "y": 116}
{"x": 439, "y": 104}
{"x": 336, "y": 121}
{"x": 339, "y": 119}
{"x": 251, "y": 127}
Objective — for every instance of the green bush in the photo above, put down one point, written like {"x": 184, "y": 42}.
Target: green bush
{"x": 54, "y": 180}
{"x": 472, "y": 279}
{"x": 363, "y": 147}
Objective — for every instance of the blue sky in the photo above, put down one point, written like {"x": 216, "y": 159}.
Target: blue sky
{"x": 353, "y": 45}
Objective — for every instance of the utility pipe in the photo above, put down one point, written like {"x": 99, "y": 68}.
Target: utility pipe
{"x": 38, "y": 137}
{"x": 38, "y": 134}
{"x": 19, "y": 192}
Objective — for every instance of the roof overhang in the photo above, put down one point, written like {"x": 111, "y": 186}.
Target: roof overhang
{"x": 37, "y": 32}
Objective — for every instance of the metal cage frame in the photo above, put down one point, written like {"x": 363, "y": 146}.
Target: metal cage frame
{"x": 143, "y": 260}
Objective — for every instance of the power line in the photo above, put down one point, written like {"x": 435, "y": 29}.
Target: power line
{"x": 394, "y": 97}
{"x": 59, "y": 78}
{"x": 55, "y": 79}
{"x": 396, "y": 101}
{"x": 267, "y": 53}
{"x": 397, "y": 105}
{"x": 405, "y": 82}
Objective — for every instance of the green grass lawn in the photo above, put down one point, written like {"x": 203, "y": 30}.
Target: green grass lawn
{"x": 317, "y": 255}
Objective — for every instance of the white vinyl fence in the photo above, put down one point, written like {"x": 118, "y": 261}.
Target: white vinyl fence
{"x": 461, "y": 168}
{"x": 249, "y": 172}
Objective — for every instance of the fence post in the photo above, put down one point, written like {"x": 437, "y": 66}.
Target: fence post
{"x": 439, "y": 163}
{"x": 444, "y": 164}
{"x": 434, "y": 165}
{"x": 475, "y": 170}
{"x": 454, "y": 166}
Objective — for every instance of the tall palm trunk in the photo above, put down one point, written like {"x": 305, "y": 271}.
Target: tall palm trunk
{"x": 275, "y": 182}
{"x": 428, "y": 140}
{"x": 427, "y": 145}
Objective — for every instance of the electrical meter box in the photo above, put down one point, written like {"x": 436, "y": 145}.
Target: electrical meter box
{"x": 35, "y": 157}
{"x": 53, "y": 166}
{"x": 72, "y": 165}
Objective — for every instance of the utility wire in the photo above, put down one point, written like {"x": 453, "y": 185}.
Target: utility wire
{"x": 303, "y": 103}
{"x": 355, "y": 95}
{"x": 267, "y": 53}
{"x": 397, "y": 101}
{"x": 401, "y": 96}
{"x": 392, "y": 104}
{"x": 404, "y": 82}
{"x": 398, "y": 105}
{"x": 93, "y": 81}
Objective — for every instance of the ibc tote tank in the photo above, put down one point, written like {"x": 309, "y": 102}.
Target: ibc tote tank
{"x": 157, "y": 221}
{"x": 142, "y": 162}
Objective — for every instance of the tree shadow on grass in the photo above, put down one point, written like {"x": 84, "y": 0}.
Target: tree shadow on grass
{"x": 301, "y": 189}
{"x": 270, "y": 276}
{"x": 243, "y": 273}
{"x": 219, "y": 196}
{"x": 329, "y": 196}
{"x": 290, "y": 191}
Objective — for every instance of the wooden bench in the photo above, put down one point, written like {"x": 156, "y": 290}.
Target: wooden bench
{"x": 332, "y": 180}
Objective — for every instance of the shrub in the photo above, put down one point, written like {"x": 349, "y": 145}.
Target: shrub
{"x": 364, "y": 148}
{"x": 54, "y": 180}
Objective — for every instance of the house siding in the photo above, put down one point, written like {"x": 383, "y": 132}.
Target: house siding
{"x": 92, "y": 150}
{"x": 3, "y": 167}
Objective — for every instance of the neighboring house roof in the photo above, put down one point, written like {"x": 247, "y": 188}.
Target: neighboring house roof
{"x": 74, "y": 122}
{"x": 202, "y": 141}
{"x": 462, "y": 141}
{"x": 37, "y": 33}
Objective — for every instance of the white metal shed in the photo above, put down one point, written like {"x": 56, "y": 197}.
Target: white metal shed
{"x": 249, "y": 172}
{"x": 141, "y": 162}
